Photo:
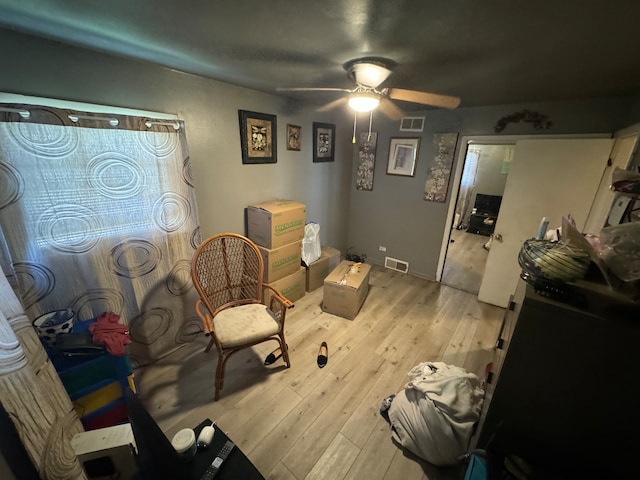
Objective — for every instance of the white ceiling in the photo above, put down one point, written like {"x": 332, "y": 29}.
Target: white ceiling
{"x": 486, "y": 52}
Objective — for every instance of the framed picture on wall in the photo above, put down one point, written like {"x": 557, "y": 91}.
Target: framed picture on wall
{"x": 257, "y": 137}
{"x": 324, "y": 142}
{"x": 294, "y": 137}
{"x": 366, "y": 161}
{"x": 403, "y": 153}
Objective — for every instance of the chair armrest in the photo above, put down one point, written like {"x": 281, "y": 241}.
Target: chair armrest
{"x": 205, "y": 317}
{"x": 276, "y": 295}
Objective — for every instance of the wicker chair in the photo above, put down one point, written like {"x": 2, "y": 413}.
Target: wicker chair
{"x": 227, "y": 271}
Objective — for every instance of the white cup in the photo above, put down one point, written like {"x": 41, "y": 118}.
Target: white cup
{"x": 184, "y": 443}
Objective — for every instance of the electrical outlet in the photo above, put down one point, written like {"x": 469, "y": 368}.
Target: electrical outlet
{"x": 382, "y": 249}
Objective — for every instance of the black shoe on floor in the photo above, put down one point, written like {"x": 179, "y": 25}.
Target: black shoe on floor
{"x": 273, "y": 356}
{"x": 323, "y": 355}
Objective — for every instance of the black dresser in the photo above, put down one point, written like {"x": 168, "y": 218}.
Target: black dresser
{"x": 485, "y": 213}
{"x": 564, "y": 392}
{"x": 482, "y": 224}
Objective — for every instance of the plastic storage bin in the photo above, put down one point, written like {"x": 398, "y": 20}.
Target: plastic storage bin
{"x": 96, "y": 384}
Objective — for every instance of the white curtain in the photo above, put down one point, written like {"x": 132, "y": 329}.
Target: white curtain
{"x": 99, "y": 214}
{"x": 463, "y": 207}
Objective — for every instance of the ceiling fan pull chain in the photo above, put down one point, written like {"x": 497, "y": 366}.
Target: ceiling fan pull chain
{"x": 370, "y": 120}
{"x": 355, "y": 121}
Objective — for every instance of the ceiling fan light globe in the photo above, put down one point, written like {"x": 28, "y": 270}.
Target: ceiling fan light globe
{"x": 363, "y": 102}
{"x": 369, "y": 74}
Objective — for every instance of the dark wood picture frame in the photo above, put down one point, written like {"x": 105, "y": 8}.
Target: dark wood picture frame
{"x": 294, "y": 137}
{"x": 324, "y": 142}
{"x": 258, "y": 137}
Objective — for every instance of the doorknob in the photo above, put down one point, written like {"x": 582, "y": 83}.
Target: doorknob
{"x": 497, "y": 237}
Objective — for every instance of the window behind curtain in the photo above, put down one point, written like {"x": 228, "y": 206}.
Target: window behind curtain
{"x": 100, "y": 216}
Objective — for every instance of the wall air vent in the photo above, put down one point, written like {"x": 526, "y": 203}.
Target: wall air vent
{"x": 412, "y": 124}
{"x": 397, "y": 265}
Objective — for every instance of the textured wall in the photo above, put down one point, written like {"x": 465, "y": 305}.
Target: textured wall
{"x": 210, "y": 110}
{"x": 394, "y": 215}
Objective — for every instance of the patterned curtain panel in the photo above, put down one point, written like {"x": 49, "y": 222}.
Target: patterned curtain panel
{"x": 467, "y": 184}
{"x": 98, "y": 214}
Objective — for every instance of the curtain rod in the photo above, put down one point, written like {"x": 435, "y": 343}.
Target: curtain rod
{"x": 83, "y": 107}
{"x": 114, "y": 122}
{"x": 22, "y": 113}
{"x": 175, "y": 125}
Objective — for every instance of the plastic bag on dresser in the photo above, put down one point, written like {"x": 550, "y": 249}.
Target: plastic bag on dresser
{"x": 311, "y": 249}
{"x": 620, "y": 248}
{"x": 625, "y": 181}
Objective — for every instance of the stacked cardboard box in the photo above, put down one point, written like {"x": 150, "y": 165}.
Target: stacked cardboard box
{"x": 317, "y": 271}
{"x": 291, "y": 286}
{"x": 282, "y": 261}
{"x": 277, "y": 227}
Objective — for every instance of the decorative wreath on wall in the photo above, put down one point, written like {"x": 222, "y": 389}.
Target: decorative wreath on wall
{"x": 539, "y": 121}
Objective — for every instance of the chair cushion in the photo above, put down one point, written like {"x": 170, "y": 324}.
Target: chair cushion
{"x": 244, "y": 324}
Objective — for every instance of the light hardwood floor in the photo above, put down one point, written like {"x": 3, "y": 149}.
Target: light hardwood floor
{"x": 311, "y": 423}
{"x": 464, "y": 265}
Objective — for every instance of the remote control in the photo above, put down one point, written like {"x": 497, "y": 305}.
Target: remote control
{"x": 217, "y": 462}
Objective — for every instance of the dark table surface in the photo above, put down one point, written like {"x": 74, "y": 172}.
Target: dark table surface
{"x": 157, "y": 459}
{"x": 237, "y": 465}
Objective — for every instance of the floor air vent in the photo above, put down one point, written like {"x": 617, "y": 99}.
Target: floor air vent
{"x": 395, "y": 264}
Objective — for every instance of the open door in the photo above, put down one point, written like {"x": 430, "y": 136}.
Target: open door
{"x": 623, "y": 149}
{"x": 547, "y": 178}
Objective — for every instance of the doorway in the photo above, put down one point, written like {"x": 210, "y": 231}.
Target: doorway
{"x": 549, "y": 160}
{"x": 482, "y": 183}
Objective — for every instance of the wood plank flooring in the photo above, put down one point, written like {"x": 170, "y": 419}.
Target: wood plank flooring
{"x": 464, "y": 265}
{"x": 311, "y": 423}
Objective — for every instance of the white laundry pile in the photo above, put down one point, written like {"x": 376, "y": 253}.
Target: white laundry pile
{"x": 433, "y": 417}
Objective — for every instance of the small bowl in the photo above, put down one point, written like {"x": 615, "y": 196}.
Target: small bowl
{"x": 51, "y": 324}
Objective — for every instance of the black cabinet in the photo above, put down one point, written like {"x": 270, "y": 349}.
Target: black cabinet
{"x": 564, "y": 386}
{"x": 481, "y": 224}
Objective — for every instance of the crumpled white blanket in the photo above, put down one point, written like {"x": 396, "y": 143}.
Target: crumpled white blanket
{"x": 433, "y": 417}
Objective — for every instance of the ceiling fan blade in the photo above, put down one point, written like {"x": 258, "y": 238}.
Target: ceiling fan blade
{"x": 330, "y": 105}
{"x": 312, "y": 89}
{"x": 425, "y": 98}
{"x": 390, "y": 109}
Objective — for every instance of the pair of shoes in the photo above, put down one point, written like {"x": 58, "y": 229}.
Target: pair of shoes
{"x": 323, "y": 355}
{"x": 273, "y": 356}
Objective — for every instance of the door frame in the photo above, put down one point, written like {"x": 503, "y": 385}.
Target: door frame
{"x": 462, "y": 147}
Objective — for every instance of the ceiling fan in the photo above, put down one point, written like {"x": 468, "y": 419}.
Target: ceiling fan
{"x": 368, "y": 74}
